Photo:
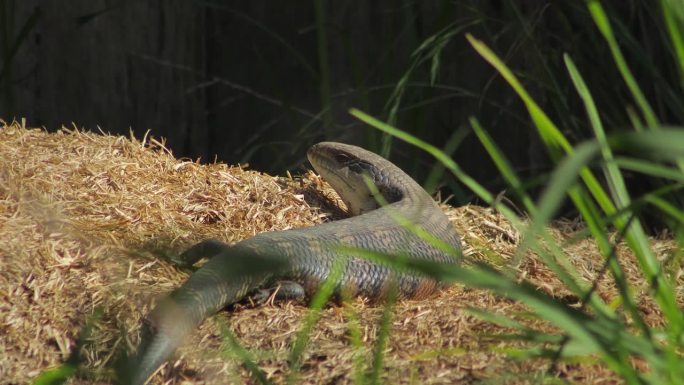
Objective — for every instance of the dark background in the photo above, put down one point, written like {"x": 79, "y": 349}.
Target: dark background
{"x": 259, "y": 81}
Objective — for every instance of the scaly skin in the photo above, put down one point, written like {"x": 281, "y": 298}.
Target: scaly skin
{"x": 306, "y": 256}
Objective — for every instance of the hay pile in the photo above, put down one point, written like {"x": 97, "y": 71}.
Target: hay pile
{"x": 87, "y": 219}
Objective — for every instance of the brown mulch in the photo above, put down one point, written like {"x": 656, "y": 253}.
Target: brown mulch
{"x": 87, "y": 221}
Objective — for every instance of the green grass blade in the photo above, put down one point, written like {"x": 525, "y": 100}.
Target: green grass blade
{"x": 666, "y": 144}
{"x": 604, "y": 335}
{"x": 317, "y": 302}
{"x": 563, "y": 180}
{"x": 556, "y": 259}
{"x": 233, "y": 348}
{"x": 551, "y": 135}
{"x": 503, "y": 165}
{"x": 429, "y": 51}
{"x": 612, "y": 171}
{"x": 555, "y": 141}
{"x": 674, "y": 23}
{"x": 650, "y": 168}
{"x": 436, "y": 174}
{"x": 497, "y": 319}
{"x": 603, "y": 24}
{"x": 68, "y": 369}
{"x": 356, "y": 341}
{"x": 666, "y": 207}
{"x": 613, "y": 176}
{"x": 56, "y": 376}
{"x": 383, "y": 337}
{"x": 548, "y": 131}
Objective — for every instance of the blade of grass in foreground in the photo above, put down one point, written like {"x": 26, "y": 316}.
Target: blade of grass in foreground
{"x": 62, "y": 373}
{"x": 319, "y": 299}
{"x": 650, "y": 168}
{"x": 616, "y": 183}
{"x": 603, "y": 24}
{"x": 555, "y": 258}
{"x": 636, "y": 237}
{"x": 356, "y": 341}
{"x": 556, "y": 144}
{"x": 385, "y": 326}
{"x": 606, "y": 336}
{"x": 235, "y": 349}
{"x": 621, "y": 346}
{"x": 552, "y": 137}
{"x": 667, "y": 208}
{"x": 503, "y": 165}
{"x": 674, "y": 23}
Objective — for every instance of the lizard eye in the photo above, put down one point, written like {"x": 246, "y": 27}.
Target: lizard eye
{"x": 342, "y": 158}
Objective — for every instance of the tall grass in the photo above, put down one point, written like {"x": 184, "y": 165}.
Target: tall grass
{"x": 590, "y": 174}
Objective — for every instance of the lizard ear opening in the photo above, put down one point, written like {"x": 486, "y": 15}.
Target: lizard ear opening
{"x": 359, "y": 167}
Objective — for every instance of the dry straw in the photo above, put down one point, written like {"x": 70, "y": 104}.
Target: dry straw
{"x": 86, "y": 221}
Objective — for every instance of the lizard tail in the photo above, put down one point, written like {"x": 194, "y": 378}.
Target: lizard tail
{"x": 211, "y": 288}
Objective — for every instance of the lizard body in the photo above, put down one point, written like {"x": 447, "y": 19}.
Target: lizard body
{"x": 306, "y": 256}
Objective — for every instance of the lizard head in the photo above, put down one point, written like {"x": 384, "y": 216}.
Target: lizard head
{"x": 348, "y": 169}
